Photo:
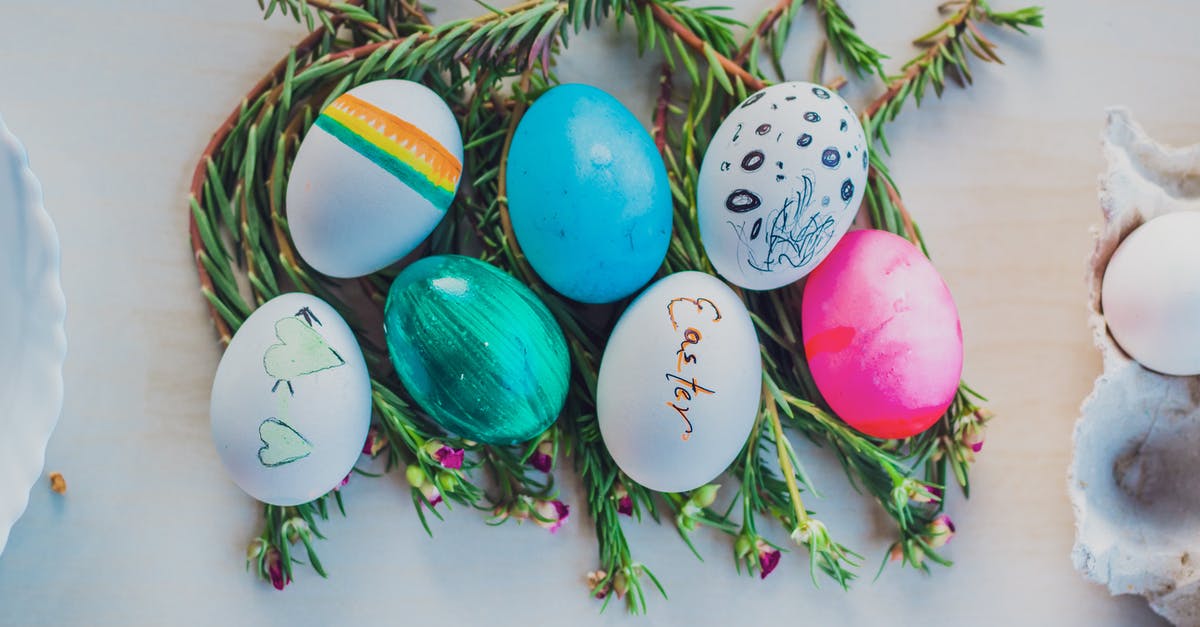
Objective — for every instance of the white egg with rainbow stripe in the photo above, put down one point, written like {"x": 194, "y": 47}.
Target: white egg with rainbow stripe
{"x": 374, "y": 175}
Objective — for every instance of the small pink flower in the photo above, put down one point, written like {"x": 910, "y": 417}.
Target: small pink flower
{"x": 972, "y": 437}
{"x": 768, "y": 559}
{"x": 344, "y": 482}
{"x": 431, "y": 494}
{"x": 939, "y": 531}
{"x": 551, "y": 514}
{"x": 375, "y": 442}
{"x": 279, "y": 579}
{"x": 624, "y": 501}
{"x": 541, "y": 461}
{"x": 543, "y": 457}
{"x": 451, "y": 458}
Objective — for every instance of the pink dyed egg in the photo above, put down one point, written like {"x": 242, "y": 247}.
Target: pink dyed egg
{"x": 882, "y": 335}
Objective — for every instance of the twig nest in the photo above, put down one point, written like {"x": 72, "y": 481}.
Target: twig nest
{"x": 1137, "y": 442}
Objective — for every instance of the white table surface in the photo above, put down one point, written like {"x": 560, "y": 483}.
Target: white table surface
{"x": 115, "y": 99}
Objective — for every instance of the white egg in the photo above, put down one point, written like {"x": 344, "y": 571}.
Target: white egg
{"x": 291, "y": 401}
{"x": 781, "y": 182}
{"x": 373, "y": 177}
{"x": 679, "y": 383}
{"x": 1151, "y": 294}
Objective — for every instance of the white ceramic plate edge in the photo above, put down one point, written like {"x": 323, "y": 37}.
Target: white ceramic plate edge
{"x": 38, "y": 400}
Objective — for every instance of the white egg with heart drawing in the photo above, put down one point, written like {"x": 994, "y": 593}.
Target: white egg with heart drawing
{"x": 291, "y": 401}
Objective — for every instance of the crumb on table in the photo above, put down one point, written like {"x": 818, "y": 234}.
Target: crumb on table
{"x": 58, "y": 483}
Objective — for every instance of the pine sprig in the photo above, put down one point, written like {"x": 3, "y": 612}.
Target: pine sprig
{"x": 489, "y": 68}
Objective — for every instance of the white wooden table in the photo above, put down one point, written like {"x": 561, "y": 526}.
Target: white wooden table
{"x": 114, "y": 100}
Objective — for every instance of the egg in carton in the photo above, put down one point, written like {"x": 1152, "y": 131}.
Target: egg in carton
{"x": 1137, "y": 442}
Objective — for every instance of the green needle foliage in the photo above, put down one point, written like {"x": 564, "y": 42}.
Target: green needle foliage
{"x": 489, "y": 69}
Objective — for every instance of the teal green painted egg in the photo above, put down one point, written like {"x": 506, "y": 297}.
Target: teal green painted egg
{"x": 476, "y": 349}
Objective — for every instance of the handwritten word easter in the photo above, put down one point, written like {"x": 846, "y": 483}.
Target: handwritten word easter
{"x": 686, "y": 390}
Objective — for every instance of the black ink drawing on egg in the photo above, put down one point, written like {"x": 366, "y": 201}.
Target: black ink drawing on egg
{"x": 844, "y": 126}
{"x": 737, "y": 133}
{"x": 763, "y": 129}
{"x": 742, "y": 200}
{"x": 820, "y": 93}
{"x": 789, "y": 98}
{"x": 847, "y": 190}
{"x": 825, "y": 201}
{"x": 753, "y": 160}
{"x": 756, "y": 228}
{"x": 753, "y": 99}
{"x": 779, "y": 178}
{"x": 804, "y": 140}
{"x": 831, "y": 158}
{"x": 864, "y": 160}
{"x": 725, "y": 166}
{"x": 792, "y": 239}
{"x": 812, "y": 116}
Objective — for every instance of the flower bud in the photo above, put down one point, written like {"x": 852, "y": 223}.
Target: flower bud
{"x": 620, "y": 584}
{"x": 972, "y": 437}
{"x": 275, "y": 570}
{"x": 257, "y": 547}
{"x": 705, "y": 495}
{"x": 446, "y": 481}
{"x": 414, "y": 475}
{"x": 939, "y": 531}
{"x": 742, "y": 546}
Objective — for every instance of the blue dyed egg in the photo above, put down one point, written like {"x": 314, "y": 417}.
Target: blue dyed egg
{"x": 588, "y": 195}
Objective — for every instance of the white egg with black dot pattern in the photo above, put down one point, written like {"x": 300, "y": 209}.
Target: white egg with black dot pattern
{"x": 781, "y": 182}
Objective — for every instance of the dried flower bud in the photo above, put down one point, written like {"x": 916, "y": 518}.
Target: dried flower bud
{"x": 594, "y": 579}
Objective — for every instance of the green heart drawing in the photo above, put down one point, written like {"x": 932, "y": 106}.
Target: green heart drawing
{"x": 281, "y": 443}
{"x": 301, "y": 351}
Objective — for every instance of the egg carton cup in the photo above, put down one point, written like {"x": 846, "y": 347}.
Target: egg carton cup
{"x": 1137, "y": 442}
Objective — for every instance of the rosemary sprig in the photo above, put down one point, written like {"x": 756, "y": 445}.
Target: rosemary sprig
{"x": 848, "y": 46}
{"x": 489, "y": 68}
